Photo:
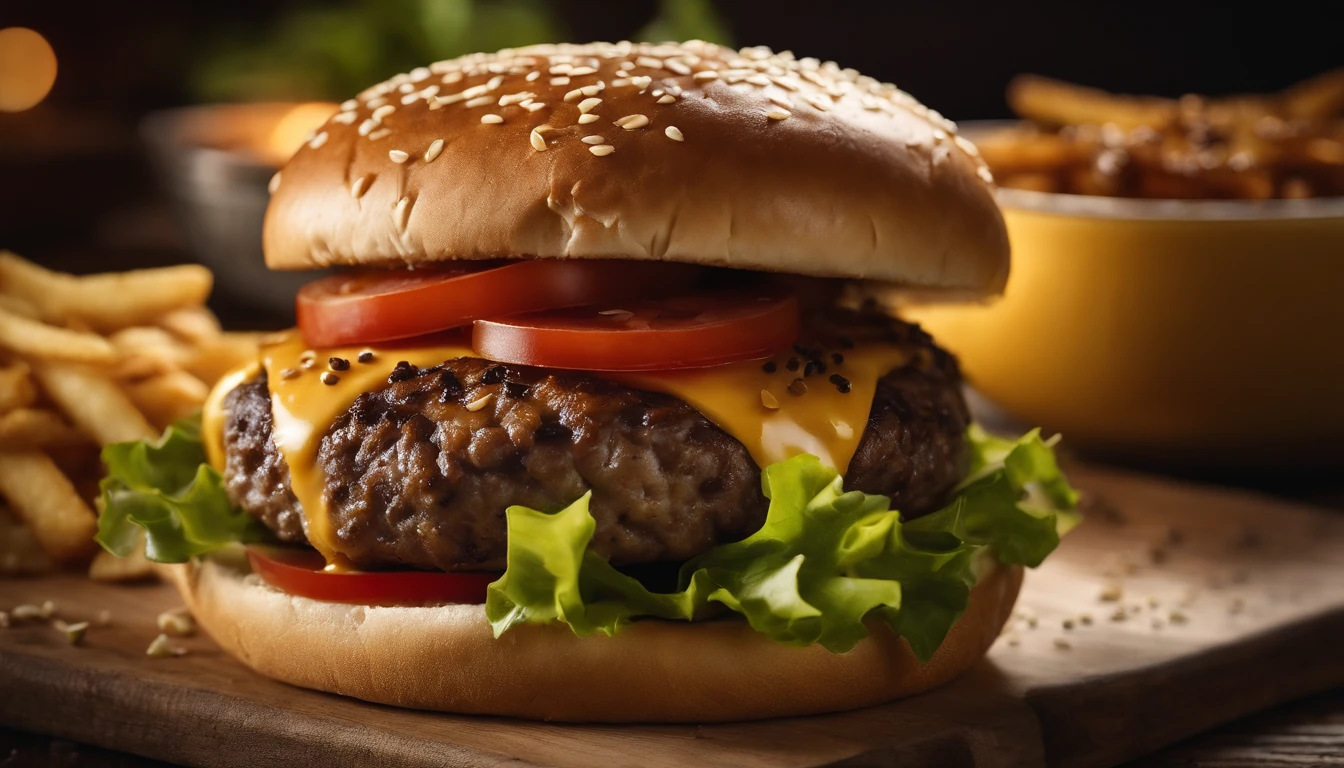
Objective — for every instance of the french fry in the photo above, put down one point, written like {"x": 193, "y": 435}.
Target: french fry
{"x": 28, "y": 428}
{"x": 1316, "y": 97}
{"x": 107, "y": 301}
{"x": 147, "y": 351}
{"x": 16, "y": 387}
{"x": 18, "y": 306}
{"x": 107, "y": 567}
{"x": 168, "y": 397}
{"x": 33, "y": 339}
{"x": 1059, "y": 103}
{"x": 218, "y": 356}
{"x": 93, "y": 402}
{"x": 44, "y": 499}
{"x": 1012, "y": 152}
{"x": 193, "y": 324}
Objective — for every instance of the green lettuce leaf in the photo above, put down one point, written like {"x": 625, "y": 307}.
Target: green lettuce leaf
{"x": 824, "y": 561}
{"x": 168, "y": 490}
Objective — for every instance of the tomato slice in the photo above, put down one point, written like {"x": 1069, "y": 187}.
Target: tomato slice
{"x": 379, "y": 305}
{"x": 690, "y": 331}
{"x": 300, "y": 572}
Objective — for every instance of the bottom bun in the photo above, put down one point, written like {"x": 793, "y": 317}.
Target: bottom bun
{"x": 446, "y": 658}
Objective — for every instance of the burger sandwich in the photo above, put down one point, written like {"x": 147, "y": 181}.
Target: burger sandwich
{"x": 601, "y": 416}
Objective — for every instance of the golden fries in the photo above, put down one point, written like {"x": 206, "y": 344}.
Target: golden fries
{"x": 105, "y": 301}
{"x": 28, "y": 428}
{"x": 31, "y": 338}
{"x": 47, "y": 502}
{"x": 1248, "y": 147}
{"x": 87, "y": 361}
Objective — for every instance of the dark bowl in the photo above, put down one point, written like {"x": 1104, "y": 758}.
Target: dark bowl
{"x": 218, "y": 192}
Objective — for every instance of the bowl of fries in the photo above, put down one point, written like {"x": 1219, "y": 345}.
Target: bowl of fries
{"x": 84, "y": 362}
{"x": 1177, "y": 270}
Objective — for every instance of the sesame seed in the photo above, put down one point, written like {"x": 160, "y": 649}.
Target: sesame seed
{"x": 435, "y": 147}
{"x": 398, "y": 156}
{"x": 366, "y": 126}
{"x": 359, "y": 187}
{"x": 537, "y": 140}
{"x": 602, "y": 150}
{"x": 25, "y": 612}
{"x": 668, "y": 99}
{"x": 349, "y": 105}
{"x": 620, "y": 82}
{"x": 562, "y": 80}
{"x": 677, "y": 67}
{"x": 581, "y": 71}
{"x": 574, "y": 94}
{"x": 403, "y": 212}
{"x": 289, "y": 374}
{"x": 768, "y": 400}
{"x": 534, "y": 106}
{"x": 494, "y": 82}
{"x": 381, "y": 112}
{"x": 491, "y": 119}
{"x": 478, "y": 404}
{"x": 329, "y": 378}
{"x": 274, "y": 183}
{"x": 632, "y": 122}
{"x": 479, "y": 101}
{"x": 376, "y": 103}
{"x": 649, "y": 62}
{"x": 419, "y": 73}
{"x": 451, "y": 78}
{"x": 777, "y": 114}
{"x": 381, "y": 133}
{"x": 515, "y": 98}
{"x": 674, "y": 133}
{"x": 344, "y": 118}
{"x": 559, "y": 69}
{"x": 410, "y": 99}
{"x": 588, "y": 118}
{"x": 622, "y": 73}
{"x": 592, "y": 139}
{"x": 318, "y": 140}
{"x": 705, "y": 74}
{"x": 532, "y": 76}
{"x": 641, "y": 82}
{"x": 588, "y": 105}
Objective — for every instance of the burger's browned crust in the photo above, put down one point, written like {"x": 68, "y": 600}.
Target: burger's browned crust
{"x": 445, "y": 658}
{"x": 780, "y": 165}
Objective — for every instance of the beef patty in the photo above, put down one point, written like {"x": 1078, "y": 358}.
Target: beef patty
{"x": 414, "y": 478}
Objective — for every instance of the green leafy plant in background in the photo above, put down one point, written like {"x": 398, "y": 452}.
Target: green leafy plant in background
{"x": 334, "y": 51}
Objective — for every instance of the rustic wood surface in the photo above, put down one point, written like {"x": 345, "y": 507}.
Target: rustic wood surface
{"x": 1228, "y": 603}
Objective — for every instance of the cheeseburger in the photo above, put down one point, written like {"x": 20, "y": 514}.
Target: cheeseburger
{"x": 600, "y": 417}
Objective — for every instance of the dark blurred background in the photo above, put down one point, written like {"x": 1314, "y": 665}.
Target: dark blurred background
{"x": 79, "y": 191}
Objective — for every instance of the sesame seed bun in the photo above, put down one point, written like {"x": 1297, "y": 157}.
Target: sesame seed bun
{"x": 445, "y": 658}
{"x": 692, "y": 153}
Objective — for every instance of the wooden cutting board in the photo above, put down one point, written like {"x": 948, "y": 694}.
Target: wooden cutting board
{"x": 1227, "y": 603}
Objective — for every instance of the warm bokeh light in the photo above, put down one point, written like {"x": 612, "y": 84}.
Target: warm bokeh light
{"x": 27, "y": 69}
{"x": 293, "y": 128}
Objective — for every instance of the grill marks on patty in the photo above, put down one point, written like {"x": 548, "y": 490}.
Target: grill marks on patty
{"x": 420, "y": 472}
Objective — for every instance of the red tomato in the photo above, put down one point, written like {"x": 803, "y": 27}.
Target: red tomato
{"x": 299, "y": 572}
{"x": 690, "y": 331}
{"x": 379, "y": 305}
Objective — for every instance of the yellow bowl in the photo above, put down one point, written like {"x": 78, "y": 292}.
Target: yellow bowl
{"x": 1198, "y": 332}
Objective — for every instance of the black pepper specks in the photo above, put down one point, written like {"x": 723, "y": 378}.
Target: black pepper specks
{"x": 402, "y": 372}
{"x": 841, "y": 383}
{"x": 329, "y": 378}
{"x": 516, "y": 389}
{"x": 798, "y": 387}
{"x": 837, "y": 358}
{"x": 493, "y": 375}
{"x": 770, "y": 367}
{"x": 365, "y": 357}
{"x": 793, "y": 364}
{"x": 338, "y": 364}
{"x": 552, "y": 430}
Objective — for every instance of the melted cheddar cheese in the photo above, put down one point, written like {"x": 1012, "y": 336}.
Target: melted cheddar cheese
{"x": 772, "y": 420}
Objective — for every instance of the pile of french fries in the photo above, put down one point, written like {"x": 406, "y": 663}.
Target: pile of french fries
{"x": 1085, "y": 141}
{"x": 87, "y": 361}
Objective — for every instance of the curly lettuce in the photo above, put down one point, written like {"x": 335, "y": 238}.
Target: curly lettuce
{"x": 168, "y": 490}
{"x": 825, "y": 561}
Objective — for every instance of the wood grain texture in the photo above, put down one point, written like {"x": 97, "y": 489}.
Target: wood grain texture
{"x": 1240, "y": 608}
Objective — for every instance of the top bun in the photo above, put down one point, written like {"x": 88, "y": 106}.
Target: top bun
{"x": 692, "y": 153}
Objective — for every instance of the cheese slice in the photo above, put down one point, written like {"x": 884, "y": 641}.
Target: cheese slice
{"x": 776, "y": 415}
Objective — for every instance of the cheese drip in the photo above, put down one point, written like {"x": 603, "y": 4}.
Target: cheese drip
{"x": 737, "y": 397}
